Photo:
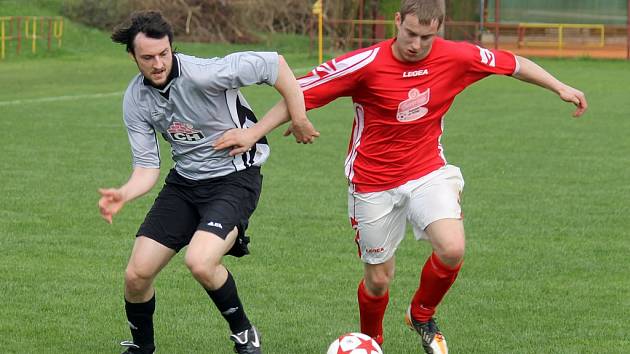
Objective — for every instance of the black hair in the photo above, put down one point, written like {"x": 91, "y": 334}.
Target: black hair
{"x": 151, "y": 23}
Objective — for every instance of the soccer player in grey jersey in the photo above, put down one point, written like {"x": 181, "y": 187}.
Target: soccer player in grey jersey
{"x": 209, "y": 195}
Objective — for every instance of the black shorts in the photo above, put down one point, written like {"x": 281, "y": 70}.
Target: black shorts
{"x": 216, "y": 205}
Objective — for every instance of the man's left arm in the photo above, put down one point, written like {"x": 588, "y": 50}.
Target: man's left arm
{"x": 241, "y": 140}
{"x": 531, "y": 72}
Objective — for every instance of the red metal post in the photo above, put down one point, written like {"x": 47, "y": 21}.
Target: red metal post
{"x": 361, "y": 4}
{"x": 50, "y": 29}
{"x": 310, "y": 36}
{"x": 485, "y": 11}
{"x": 497, "y": 17}
{"x": 19, "y": 35}
{"x": 628, "y": 31}
{"x": 374, "y": 13}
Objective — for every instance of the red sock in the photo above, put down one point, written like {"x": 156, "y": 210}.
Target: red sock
{"x": 435, "y": 281}
{"x": 372, "y": 311}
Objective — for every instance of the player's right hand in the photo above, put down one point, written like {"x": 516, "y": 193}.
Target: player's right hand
{"x": 110, "y": 203}
{"x": 303, "y": 131}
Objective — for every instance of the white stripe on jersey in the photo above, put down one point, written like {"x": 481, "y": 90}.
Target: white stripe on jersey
{"x": 262, "y": 150}
{"x": 325, "y": 72}
{"x": 246, "y": 124}
{"x": 357, "y": 132}
{"x": 440, "y": 140}
{"x": 230, "y": 97}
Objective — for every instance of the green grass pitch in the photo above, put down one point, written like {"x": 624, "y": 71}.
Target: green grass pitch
{"x": 546, "y": 204}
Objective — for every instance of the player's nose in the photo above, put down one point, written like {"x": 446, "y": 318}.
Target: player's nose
{"x": 158, "y": 63}
{"x": 416, "y": 44}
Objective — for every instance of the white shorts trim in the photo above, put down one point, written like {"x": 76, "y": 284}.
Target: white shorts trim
{"x": 380, "y": 218}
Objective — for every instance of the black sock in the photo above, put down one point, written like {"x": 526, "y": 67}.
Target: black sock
{"x": 140, "y": 317}
{"x": 227, "y": 301}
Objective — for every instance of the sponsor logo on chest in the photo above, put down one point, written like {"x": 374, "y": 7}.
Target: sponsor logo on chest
{"x": 184, "y": 132}
{"x": 413, "y": 108}
{"x": 415, "y": 73}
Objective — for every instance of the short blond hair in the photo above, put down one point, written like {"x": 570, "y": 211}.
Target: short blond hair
{"x": 426, "y": 11}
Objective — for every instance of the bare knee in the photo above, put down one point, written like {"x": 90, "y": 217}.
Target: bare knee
{"x": 197, "y": 268}
{"x": 203, "y": 270}
{"x": 452, "y": 254}
{"x": 448, "y": 240}
{"x": 137, "y": 281}
{"x": 377, "y": 281}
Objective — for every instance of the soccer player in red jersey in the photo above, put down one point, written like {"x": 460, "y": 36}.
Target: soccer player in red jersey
{"x": 397, "y": 173}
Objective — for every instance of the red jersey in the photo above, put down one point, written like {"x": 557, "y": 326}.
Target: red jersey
{"x": 399, "y": 106}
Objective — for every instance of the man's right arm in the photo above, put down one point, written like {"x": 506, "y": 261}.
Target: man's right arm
{"x": 290, "y": 90}
{"x": 113, "y": 199}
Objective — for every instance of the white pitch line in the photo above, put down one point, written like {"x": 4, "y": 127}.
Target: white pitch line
{"x": 60, "y": 98}
{"x": 80, "y": 97}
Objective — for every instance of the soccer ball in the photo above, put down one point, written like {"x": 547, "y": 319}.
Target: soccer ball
{"x": 354, "y": 343}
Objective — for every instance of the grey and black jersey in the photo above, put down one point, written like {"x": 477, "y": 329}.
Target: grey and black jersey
{"x": 201, "y": 101}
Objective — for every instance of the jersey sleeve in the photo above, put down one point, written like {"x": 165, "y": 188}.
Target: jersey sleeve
{"x": 335, "y": 78}
{"x": 145, "y": 150}
{"x": 238, "y": 70}
{"x": 481, "y": 62}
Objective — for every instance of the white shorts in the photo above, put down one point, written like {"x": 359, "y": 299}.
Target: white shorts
{"x": 380, "y": 218}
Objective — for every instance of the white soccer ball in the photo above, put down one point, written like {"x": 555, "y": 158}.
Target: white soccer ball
{"x": 354, "y": 343}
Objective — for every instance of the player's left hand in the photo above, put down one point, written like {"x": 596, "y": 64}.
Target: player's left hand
{"x": 239, "y": 140}
{"x": 303, "y": 131}
{"x": 577, "y": 97}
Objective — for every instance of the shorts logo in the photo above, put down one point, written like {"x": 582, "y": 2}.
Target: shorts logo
{"x": 215, "y": 224}
{"x": 184, "y": 132}
{"x": 412, "y": 108}
{"x": 375, "y": 250}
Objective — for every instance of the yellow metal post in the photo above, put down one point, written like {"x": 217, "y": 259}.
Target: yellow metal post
{"x": 318, "y": 9}
{"x": 34, "y": 36}
{"x": 58, "y": 31}
{"x": 2, "y": 39}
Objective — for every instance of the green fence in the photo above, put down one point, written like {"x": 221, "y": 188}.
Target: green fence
{"x": 607, "y": 12}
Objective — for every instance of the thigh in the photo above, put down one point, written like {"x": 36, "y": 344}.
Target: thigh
{"x": 447, "y": 239}
{"x": 148, "y": 257}
{"x": 172, "y": 219}
{"x": 228, "y": 202}
{"x": 207, "y": 248}
{"x": 379, "y": 220}
{"x": 435, "y": 198}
